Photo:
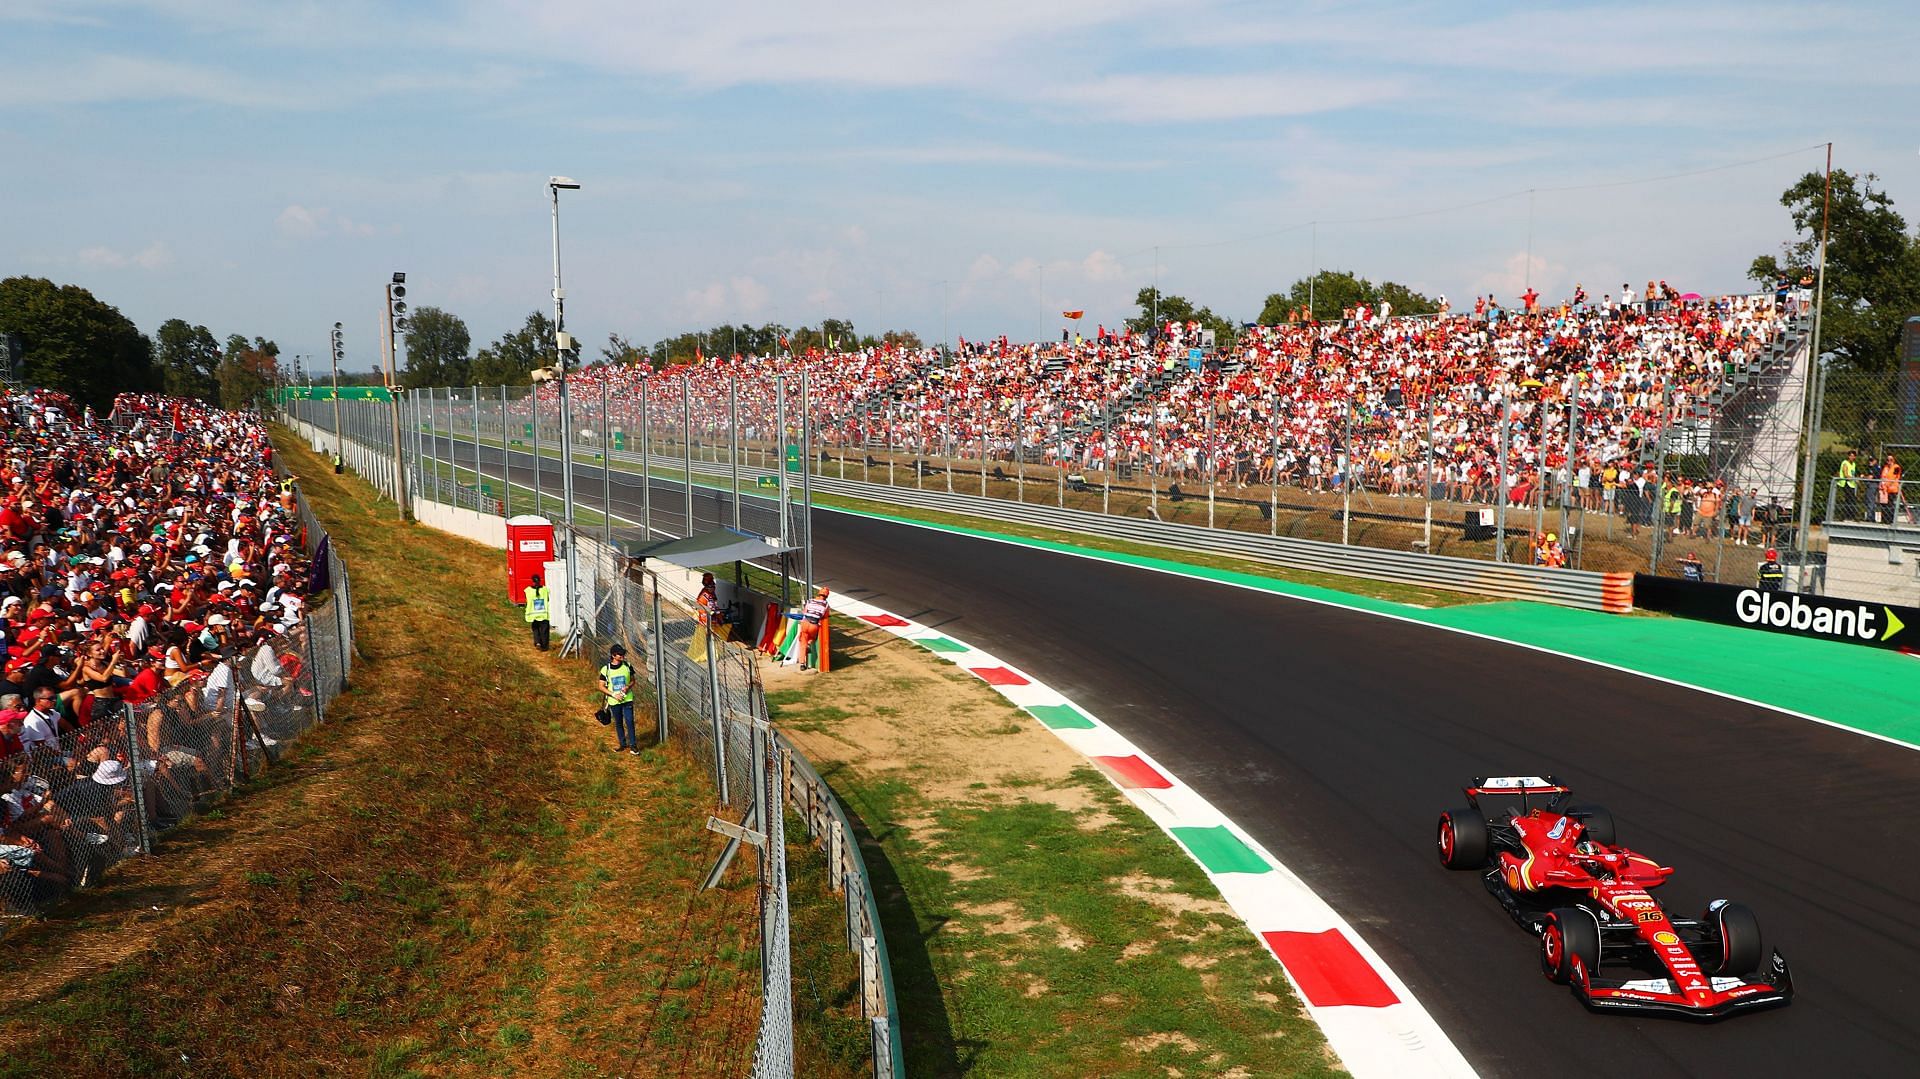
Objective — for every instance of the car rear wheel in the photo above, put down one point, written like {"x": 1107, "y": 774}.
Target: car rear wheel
{"x": 1739, "y": 937}
{"x": 1462, "y": 839}
{"x": 1567, "y": 934}
{"x": 1599, "y": 823}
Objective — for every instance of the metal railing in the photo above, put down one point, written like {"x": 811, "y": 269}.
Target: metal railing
{"x": 813, "y": 800}
{"x": 1565, "y": 587}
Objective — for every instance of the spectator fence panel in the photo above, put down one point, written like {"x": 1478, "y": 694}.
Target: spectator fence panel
{"x": 116, "y": 786}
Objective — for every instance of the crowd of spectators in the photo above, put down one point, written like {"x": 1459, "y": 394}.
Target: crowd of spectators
{"x": 1315, "y": 405}
{"x": 149, "y": 563}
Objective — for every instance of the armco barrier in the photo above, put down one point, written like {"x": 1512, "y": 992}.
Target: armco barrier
{"x": 1507, "y": 580}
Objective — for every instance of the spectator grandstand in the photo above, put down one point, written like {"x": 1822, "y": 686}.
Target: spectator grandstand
{"x": 149, "y": 565}
{"x": 1592, "y": 392}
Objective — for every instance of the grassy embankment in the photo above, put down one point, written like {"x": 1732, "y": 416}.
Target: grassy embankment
{"x": 450, "y": 876}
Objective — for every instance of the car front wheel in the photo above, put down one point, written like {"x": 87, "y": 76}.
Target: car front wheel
{"x": 1569, "y": 933}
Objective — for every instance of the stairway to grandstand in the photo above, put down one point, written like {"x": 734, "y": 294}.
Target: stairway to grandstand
{"x": 1749, "y": 427}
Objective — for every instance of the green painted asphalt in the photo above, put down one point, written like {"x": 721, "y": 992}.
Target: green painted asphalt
{"x": 1873, "y": 690}
{"x": 1866, "y": 689}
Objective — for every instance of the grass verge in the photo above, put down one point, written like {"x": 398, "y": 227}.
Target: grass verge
{"x": 451, "y": 876}
{"x": 1039, "y": 924}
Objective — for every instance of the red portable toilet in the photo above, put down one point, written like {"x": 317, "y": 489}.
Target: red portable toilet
{"x": 529, "y": 549}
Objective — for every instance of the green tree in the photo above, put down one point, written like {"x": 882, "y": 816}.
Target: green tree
{"x": 1154, "y": 304}
{"x": 510, "y": 360}
{"x": 1872, "y": 287}
{"x": 1334, "y": 291}
{"x": 247, "y": 375}
{"x": 1873, "y": 266}
{"x": 620, "y": 352}
{"x": 74, "y": 342}
{"x": 437, "y": 350}
{"x": 187, "y": 356}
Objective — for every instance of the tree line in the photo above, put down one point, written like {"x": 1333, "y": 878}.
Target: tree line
{"x": 439, "y": 348}
{"x": 70, "y": 340}
{"x": 1326, "y": 294}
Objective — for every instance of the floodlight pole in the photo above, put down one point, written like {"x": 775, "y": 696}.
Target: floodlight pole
{"x": 572, "y": 644}
{"x": 393, "y": 410}
{"x": 806, "y": 479}
{"x": 339, "y": 447}
{"x": 1817, "y": 384}
{"x": 1500, "y": 493}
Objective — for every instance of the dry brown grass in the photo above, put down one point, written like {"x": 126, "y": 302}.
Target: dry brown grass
{"x": 450, "y": 877}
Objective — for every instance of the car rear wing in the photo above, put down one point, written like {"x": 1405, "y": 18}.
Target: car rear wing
{"x": 1499, "y": 796}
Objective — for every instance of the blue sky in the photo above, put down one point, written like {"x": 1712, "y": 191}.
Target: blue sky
{"x": 966, "y": 168}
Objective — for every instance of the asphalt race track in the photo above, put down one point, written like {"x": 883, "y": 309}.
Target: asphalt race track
{"x": 1335, "y": 738}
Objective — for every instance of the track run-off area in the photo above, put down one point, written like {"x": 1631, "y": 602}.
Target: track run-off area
{"x": 1332, "y": 729}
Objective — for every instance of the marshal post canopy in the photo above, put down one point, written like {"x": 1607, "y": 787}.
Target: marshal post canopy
{"x": 706, "y": 549}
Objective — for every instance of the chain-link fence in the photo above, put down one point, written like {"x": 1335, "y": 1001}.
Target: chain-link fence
{"x": 706, "y": 698}
{"x": 121, "y": 773}
{"x": 700, "y": 685}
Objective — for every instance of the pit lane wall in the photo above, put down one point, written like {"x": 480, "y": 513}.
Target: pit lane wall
{"x": 1825, "y": 618}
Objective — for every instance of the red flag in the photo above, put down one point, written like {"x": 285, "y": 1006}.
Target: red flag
{"x": 1072, "y": 314}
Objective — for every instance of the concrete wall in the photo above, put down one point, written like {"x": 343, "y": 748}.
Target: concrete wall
{"x": 1873, "y": 562}
{"x": 478, "y": 527}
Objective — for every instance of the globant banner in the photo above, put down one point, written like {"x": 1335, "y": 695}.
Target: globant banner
{"x": 1826, "y": 618}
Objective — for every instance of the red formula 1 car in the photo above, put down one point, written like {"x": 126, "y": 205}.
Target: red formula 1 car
{"x": 1556, "y": 869}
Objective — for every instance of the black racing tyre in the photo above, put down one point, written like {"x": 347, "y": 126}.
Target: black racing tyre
{"x": 1568, "y": 932}
{"x": 1739, "y": 937}
{"x": 1462, "y": 839}
{"x": 1599, "y": 823}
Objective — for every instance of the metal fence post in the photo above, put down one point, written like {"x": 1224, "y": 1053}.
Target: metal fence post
{"x": 506, "y": 459}
{"x": 342, "y": 616}
{"x": 606, "y": 470}
{"x": 238, "y": 772}
{"x": 733, "y": 443}
{"x": 806, "y": 479}
{"x": 646, "y": 468}
{"x": 719, "y": 722}
{"x": 135, "y": 762}
{"x": 659, "y": 636}
{"x": 313, "y": 670}
{"x": 686, "y": 451}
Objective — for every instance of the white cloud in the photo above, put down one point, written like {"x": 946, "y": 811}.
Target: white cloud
{"x": 154, "y": 256}
{"x": 105, "y": 78}
{"x": 879, "y": 43}
{"x": 1102, "y": 266}
{"x": 299, "y": 222}
{"x": 990, "y": 154}
{"x": 740, "y": 298}
{"x": 1518, "y": 273}
{"x": 303, "y": 223}
{"x": 1188, "y": 98}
